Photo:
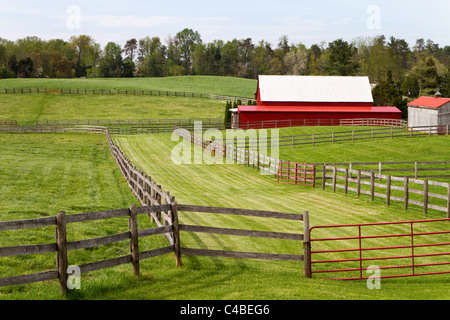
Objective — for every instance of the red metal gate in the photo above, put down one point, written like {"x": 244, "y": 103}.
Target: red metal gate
{"x": 297, "y": 173}
{"x": 419, "y": 243}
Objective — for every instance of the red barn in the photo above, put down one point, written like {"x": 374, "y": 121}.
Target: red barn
{"x": 314, "y": 97}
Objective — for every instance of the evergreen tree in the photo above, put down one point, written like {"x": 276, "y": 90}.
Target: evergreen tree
{"x": 341, "y": 59}
{"x": 386, "y": 93}
{"x": 228, "y": 107}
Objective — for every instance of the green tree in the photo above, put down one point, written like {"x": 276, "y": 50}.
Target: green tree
{"x": 130, "y": 49}
{"x": 151, "y": 57}
{"x": 386, "y": 93}
{"x": 61, "y": 67}
{"x": 229, "y": 59}
{"x": 445, "y": 84}
{"x": 111, "y": 64}
{"x": 228, "y": 107}
{"x": 341, "y": 59}
{"x": 86, "y": 54}
{"x": 186, "y": 40}
{"x": 427, "y": 74}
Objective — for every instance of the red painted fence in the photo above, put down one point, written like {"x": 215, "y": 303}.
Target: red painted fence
{"x": 364, "y": 247}
{"x": 296, "y": 173}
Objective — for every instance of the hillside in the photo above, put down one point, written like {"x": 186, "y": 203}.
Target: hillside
{"x": 231, "y": 86}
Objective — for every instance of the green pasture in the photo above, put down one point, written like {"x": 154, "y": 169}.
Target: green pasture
{"x": 28, "y": 108}
{"x": 70, "y": 160}
{"x": 238, "y": 186}
{"x": 41, "y": 174}
{"x": 230, "y": 86}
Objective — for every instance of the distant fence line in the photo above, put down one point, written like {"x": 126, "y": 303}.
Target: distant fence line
{"x": 166, "y": 93}
{"x": 148, "y": 126}
{"x": 129, "y": 122}
{"x": 354, "y": 135}
{"x": 322, "y": 122}
{"x": 8, "y": 123}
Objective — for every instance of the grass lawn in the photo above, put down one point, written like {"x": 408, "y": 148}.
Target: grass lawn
{"x": 237, "y": 186}
{"x": 28, "y": 108}
{"x": 68, "y": 184}
{"x": 43, "y": 174}
{"x": 198, "y": 84}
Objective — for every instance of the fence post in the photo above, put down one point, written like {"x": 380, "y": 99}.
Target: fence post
{"x": 176, "y": 233}
{"x": 134, "y": 239}
{"x": 306, "y": 246}
{"x": 380, "y": 170}
{"x": 358, "y": 186}
{"x": 388, "y": 191}
{"x": 406, "y": 193}
{"x": 158, "y": 201}
{"x": 372, "y": 186}
{"x": 346, "y": 181}
{"x": 425, "y": 197}
{"x": 324, "y": 179}
{"x": 61, "y": 257}
{"x": 416, "y": 170}
{"x": 334, "y": 178}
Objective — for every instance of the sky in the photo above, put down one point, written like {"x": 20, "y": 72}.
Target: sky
{"x": 308, "y": 22}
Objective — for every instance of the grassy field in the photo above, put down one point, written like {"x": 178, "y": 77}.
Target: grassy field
{"x": 28, "y": 108}
{"x": 43, "y": 174}
{"x": 237, "y": 186}
{"x": 197, "y": 84}
{"x": 68, "y": 184}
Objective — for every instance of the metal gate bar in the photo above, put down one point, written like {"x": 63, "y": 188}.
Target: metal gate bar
{"x": 414, "y": 265}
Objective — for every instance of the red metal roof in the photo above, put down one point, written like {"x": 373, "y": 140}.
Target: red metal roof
{"x": 429, "y": 102}
{"x": 318, "y": 109}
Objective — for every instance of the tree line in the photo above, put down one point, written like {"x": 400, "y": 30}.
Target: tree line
{"x": 400, "y": 69}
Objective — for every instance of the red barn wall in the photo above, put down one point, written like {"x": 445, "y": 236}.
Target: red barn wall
{"x": 265, "y": 116}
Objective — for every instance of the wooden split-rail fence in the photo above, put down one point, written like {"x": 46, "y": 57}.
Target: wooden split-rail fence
{"x": 163, "y": 210}
{"x": 403, "y": 187}
{"x": 61, "y": 245}
{"x": 135, "y": 92}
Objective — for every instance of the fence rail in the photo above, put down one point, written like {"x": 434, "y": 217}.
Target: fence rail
{"x": 267, "y": 124}
{"x": 345, "y": 136}
{"x": 53, "y": 129}
{"x": 125, "y": 92}
{"x": 406, "y": 186}
{"x": 129, "y": 122}
{"x": 62, "y": 246}
{"x": 402, "y": 169}
{"x": 139, "y": 126}
{"x": 246, "y": 233}
{"x": 8, "y": 123}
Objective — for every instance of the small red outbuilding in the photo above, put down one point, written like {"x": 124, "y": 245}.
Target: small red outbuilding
{"x": 314, "y": 97}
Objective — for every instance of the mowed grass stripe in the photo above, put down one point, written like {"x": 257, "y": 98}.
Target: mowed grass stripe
{"x": 238, "y": 186}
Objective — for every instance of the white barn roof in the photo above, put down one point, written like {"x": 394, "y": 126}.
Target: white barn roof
{"x": 315, "y": 89}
